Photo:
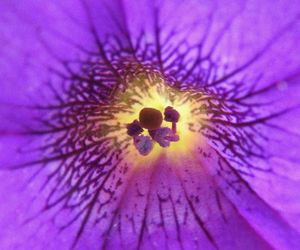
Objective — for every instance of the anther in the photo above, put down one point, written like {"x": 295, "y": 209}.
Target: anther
{"x": 134, "y": 128}
{"x": 171, "y": 115}
{"x": 161, "y": 136}
{"x": 143, "y": 144}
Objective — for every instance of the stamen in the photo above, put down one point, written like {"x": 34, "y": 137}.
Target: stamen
{"x": 134, "y": 128}
{"x": 143, "y": 144}
{"x": 152, "y": 119}
{"x": 171, "y": 115}
{"x": 161, "y": 136}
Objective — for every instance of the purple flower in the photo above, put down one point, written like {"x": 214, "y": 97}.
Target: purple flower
{"x": 74, "y": 74}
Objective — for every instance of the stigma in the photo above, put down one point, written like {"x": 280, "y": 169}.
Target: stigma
{"x": 151, "y": 119}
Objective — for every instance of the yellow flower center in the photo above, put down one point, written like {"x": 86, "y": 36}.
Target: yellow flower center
{"x": 158, "y": 95}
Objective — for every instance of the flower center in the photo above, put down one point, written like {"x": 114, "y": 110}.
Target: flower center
{"x": 151, "y": 119}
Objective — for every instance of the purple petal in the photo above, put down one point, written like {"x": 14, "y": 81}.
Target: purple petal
{"x": 233, "y": 186}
